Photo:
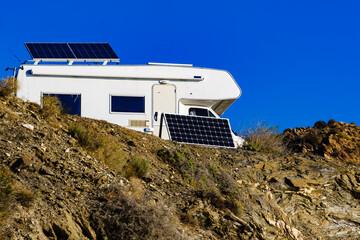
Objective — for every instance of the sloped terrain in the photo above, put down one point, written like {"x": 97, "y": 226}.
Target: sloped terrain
{"x": 66, "y": 177}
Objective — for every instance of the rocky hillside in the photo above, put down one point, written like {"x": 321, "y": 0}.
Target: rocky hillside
{"x": 66, "y": 177}
{"x": 333, "y": 140}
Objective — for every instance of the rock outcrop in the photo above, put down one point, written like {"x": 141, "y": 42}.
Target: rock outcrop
{"x": 333, "y": 140}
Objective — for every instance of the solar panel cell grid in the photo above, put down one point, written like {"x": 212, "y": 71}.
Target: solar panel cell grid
{"x": 71, "y": 51}
{"x": 93, "y": 50}
{"x": 49, "y": 50}
{"x": 199, "y": 130}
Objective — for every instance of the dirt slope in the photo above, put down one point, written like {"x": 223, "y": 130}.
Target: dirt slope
{"x": 62, "y": 190}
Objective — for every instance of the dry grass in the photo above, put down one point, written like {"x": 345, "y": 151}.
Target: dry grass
{"x": 10, "y": 194}
{"x": 106, "y": 148}
{"x": 263, "y": 138}
{"x": 6, "y": 188}
{"x": 122, "y": 216}
{"x": 8, "y": 87}
{"x": 24, "y": 197}
{"x": 87, "y": 138}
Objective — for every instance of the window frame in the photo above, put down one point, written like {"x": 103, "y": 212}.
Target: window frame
{"x": 127, "y": 95}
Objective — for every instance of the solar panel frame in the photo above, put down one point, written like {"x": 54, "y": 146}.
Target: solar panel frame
{"x": 93, "y": 50}
{"x": 206, "y": 131}
{"x": 72, "y": 51}
{"x": 50, "y": 50}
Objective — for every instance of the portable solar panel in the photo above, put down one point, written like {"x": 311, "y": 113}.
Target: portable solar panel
{"x": 199, "y": 130}
{"x": 71, "y": 51}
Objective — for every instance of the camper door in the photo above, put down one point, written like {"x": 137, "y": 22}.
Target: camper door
{"x": 164, "y": 101}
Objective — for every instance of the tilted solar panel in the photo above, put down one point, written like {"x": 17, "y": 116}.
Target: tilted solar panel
{"x": 49, "y": 50}
{"x": 71, "y": 51}
{"x": 199, "y": 130}
{"x": 93, "y": 50}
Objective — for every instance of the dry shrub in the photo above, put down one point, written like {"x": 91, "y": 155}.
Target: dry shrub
{"x": 51, "y": 106}
{"x": 124, "y": 217}
{"x": 24, "y": 197}
{"x": 8, "y": 86}
{"x": 111, "y": 154}
{"x": 137, "y": 167}
{"x": 87, "y": 138}
{"x": 263, "y": 138}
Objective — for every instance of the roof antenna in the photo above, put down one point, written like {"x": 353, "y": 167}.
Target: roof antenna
{"x": 15, "y": 56}
{"x": 18, "y": 58}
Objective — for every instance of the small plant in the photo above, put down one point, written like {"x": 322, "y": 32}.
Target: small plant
{"x": 137, "y": 167}
{"x": 236, "y": 206}
{"x": 8, "y": 86}
{"x": 263, "y": 138}
{"x": 51, "y": 106}
{"x": 5, "y": 188}
{"x": 88, "y": 139}
{"x": 111, "y": 154}
{"x": 24, "y": 197}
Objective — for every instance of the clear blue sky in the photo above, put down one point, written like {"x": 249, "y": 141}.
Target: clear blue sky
{"x": 296, "y": 62}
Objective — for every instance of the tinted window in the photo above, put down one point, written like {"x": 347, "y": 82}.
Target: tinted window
{"x": 200, "y": 112}
{"x": 127, "y": 104}
{"x": 71, "y": 103}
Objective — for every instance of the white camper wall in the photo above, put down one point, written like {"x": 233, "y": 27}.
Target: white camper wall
{"x": 97, "y": 83}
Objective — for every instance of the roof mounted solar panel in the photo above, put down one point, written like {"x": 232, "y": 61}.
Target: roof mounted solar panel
{"x": 93, "y": 50}
{"x": 199, "y": 130}
{"x": 50, "y": 50}
{"x": 71, "y": 52}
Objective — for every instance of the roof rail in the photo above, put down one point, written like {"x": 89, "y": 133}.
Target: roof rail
{"x": 170, "y": 64}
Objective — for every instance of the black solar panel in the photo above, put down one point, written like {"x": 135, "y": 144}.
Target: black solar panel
{"x": 93, "y": 50}
{"x": 199, "y": 130}
{"x": 71, "y": 51}
{"x": 49, "y": 50}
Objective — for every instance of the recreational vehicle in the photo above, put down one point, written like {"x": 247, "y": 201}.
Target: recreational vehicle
{"x": 133, "y": 96}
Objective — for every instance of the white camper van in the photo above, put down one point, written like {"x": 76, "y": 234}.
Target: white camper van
{"x": 133, "y": 96}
